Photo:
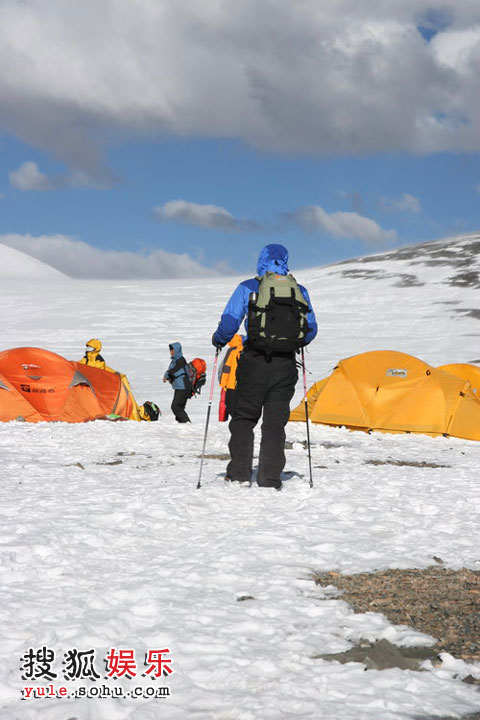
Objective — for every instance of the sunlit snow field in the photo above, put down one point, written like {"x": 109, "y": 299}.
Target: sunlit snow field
{"x": 106, "y": 543}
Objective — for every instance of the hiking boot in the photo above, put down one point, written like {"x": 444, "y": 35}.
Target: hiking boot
{"x": 242, "y": 482}
{"x": 276, "y": 484}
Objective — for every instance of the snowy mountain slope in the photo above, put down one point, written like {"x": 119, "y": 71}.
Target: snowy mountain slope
{"x": 17, "y": 265}
{"x": 106, "y": 544}
{"x": 452, "y": 261}
{"x": 422, "y": 300}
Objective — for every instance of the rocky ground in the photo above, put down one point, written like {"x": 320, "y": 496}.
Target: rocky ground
{"x": 437, "y": 601}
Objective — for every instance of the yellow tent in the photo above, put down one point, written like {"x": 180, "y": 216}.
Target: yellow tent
{"x": 393, "y": 392}
{"x": 465, "y": 371}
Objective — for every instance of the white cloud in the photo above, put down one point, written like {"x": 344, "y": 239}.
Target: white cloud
{"x": 406, "y": 203}
{"x": 80, "y": 260}
{"x": 205, "y": 216}
{"x": 311, "y": 218}
{"x": 212, "y": 217}
{"x": 343, "y": 77}
{"x": 29, "y": 177}
{"x": 314, "y": 218}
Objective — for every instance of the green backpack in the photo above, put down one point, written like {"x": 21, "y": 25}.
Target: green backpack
{"x": 277, "y": 315}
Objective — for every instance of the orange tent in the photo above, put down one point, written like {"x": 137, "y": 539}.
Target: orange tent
{"x": 465, "y": 371}
{"x": 393, "y": 392}
{"x": 38, "y": 385}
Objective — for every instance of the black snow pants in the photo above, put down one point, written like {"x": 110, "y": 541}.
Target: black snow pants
{"x": 179, "y": 401}
{"x": 266, "y": 384}
{"x": 230, "y": 397}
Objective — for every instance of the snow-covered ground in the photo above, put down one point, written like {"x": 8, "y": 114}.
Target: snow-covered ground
{"x": 107, "y": 545}
{"x": 19, "y": 266}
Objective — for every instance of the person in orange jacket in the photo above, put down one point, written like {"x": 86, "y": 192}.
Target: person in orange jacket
{"x": 227, "y": 378}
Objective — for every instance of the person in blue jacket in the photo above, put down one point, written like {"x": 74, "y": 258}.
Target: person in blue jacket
{"x": 264, "y": 382}
{"x": 176, "y": 375}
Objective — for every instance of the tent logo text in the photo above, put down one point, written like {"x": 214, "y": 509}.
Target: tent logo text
{"x": 396, "y": 372}
{"x": 27, "y": 388}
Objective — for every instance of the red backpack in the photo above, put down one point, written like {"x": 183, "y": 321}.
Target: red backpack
{"x": 197, "y": 375}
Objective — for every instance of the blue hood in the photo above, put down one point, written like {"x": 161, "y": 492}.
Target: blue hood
{"x": 177, "y": 350}
{"x": 273, "y": 258}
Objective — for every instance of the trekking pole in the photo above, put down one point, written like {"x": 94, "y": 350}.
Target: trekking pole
{"x": 214, "y": 374}
{"x": 306, "y": 417}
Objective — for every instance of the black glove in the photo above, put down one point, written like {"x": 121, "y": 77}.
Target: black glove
{"x": 216, "y": 343}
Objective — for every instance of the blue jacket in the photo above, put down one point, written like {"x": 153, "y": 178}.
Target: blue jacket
{"x": 176, "y": 373}
{"x": 272, "y": 258}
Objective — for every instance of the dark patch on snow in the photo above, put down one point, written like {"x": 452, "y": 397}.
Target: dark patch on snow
{"x": 446, "y": 302}
{"x": 360, "y": 274}
{"x": 469, "y": 279}
{"x": 371, "y": 258}
{"x": 471, "y": 312}
{"x": 327, "y": 445}
{"x": 405, "y": 280}
{"x": 218, "y": 456}
{"x": 382, "y": 655}
{"x": 429, "y": 262}
{"x": 475, "y": 716}
{"x": 406, "y": 463}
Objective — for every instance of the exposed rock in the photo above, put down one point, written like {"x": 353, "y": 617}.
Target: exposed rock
{"x": 442, "y": 603}
{"x": 382, "y": 655}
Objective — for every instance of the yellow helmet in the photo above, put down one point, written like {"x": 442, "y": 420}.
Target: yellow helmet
{"x": 94, "y": 344}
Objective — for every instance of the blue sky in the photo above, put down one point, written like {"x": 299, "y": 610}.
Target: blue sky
{"x": 139, "y": 140}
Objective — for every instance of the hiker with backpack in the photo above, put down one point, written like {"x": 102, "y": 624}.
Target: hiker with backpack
{"x": 177, "y": 376}
{"x": 279, "y": 320}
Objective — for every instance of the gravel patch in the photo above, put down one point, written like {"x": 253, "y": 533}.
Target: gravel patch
{"x": 437, "y": 601}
